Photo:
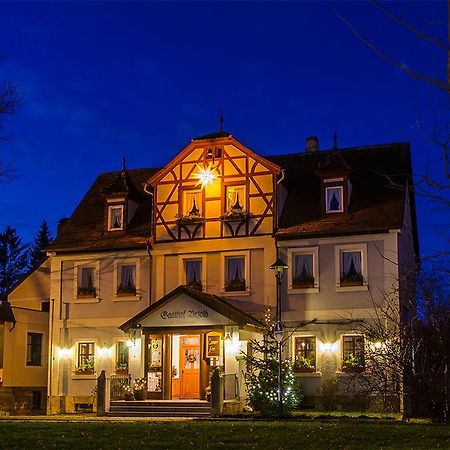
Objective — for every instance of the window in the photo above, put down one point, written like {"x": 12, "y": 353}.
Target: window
{"x": 115, "y": 218}
{"x": 86, "y": 282}
{"x": 334, "y": 199}
{"x": 235, "y": 273}
{"x": 122, "y": 357}
{"x": 85, "y": 362}
{"x": 351, "y": 268}
{"x": 34, "y": 348}
{"x": 45, "y": 306}
{"x": 352, "y": 353}
{"x": 305, "y": 354}
{"x": 193, "y": 273}
{"x": 235, "y": 199}
{"x": 303, "y": 275}
{"x": 36, "y": 400}
{"x": 126, "y": 284}
{"x": 192, "y": 202}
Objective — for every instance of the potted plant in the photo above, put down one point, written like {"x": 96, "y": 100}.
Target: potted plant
{"x": 352, "y": 364}
{"x": 86, "y": 367}
{"x": 126, "y": 289}
{"x": 140, "y": 389}
{"x": 128, "y": 393}
{"x": 89, "y": 291}
{"x": 303, "y": 365}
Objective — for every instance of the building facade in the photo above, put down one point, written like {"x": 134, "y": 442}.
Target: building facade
{"x": 165, "y": 273}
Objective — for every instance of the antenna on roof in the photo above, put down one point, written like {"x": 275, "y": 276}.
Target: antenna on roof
{"x": 335, "y": 136}
{"x": 221, "y": 119}
{"x": 123, "y": 163}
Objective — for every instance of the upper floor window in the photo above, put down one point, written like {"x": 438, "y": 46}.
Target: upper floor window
{"x": 235, "y": 273}
{"x": 352, "y": 353}
{"x": 115, "y": 218}
{"x": 86, "y": 282}
{"x": 85, "y": 358}
{"x": 193, "y": 273}
{"x": 34, "y": 349}
{"x": 305, "y": 354}
{"x": 351, "y": 267}
{"x": 126, "y": 279}
{"x": 334, "y": 199}
{"x": 303, "y": 269}
{"x": 192, "y": 202}
{"x": 235, "y": 198}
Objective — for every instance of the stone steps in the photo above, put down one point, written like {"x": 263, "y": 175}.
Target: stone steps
{"x": 169, "y": 408}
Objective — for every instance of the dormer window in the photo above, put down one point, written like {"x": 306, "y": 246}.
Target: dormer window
{"x": 334, "y": 199}
{"x": 115, "y": 218}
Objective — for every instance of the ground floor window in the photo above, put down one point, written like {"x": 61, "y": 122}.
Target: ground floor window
{"x": 305, "y": 354}
{"x": 34, "y": 348}
{"x": 352, "y": 353}
{"x": 122, "y": 357}
{"x": 85, "y": 362}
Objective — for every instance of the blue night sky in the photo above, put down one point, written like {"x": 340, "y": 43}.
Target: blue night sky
{"x": 100, "y": 80}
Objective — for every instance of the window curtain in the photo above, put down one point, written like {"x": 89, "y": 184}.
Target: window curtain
{"x": 128, "y": 275}
{"x": 351, "y": 264}
{"x": 235, "y": 270}
{"x": 87, "y": 277}
{"x": 192, "y": 203}
{"x": 116, "y": 217}
{"x": 193, "y": 271}
{"x": 334, "y": 199}
{"x": 303, "y": 266}
{"x": 235, "y": 197}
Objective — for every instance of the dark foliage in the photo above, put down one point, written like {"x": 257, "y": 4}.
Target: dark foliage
{"x": 40, "y": 242}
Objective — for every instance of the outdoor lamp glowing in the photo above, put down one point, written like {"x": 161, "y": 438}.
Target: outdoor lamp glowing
{"x": 205, "y": 175}
{"x": 130, "y": 343}
{"x": 64, "y": 352}
{"x": 103, "y": 351}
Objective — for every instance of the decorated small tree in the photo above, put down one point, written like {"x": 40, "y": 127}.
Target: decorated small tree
{"x": 261, "y": 376}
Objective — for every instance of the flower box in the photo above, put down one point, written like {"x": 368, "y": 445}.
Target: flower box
{"x": 301, "y": 283}
{"x": 80, "y": 371}
{"x": 304, "y": 369}
{"x": 190, "y": 220}
{"x": 354, "y": 280}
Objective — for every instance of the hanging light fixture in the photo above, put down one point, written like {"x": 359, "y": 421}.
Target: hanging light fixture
{"x": 205, "y": 174}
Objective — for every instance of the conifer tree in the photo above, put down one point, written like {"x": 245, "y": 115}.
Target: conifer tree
{"x": 40, "y": 242}
{"x": 13, "y": 259}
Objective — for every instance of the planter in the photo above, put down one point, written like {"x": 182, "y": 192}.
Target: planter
{"x": 128, "y": 397}
{"x": 122, "y": 372}
{"x": 140, "y": 395}
{"x": 84, "y": 372}
{"x": 304, "y": 369}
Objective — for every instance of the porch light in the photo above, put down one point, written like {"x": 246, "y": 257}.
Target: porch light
{"x": 64, "y": 353}
{"x": 205, "y": 175}
{"x": 328, "y": 347}
{"x": 103, "y": 351}
{"x": 279, "y": 266}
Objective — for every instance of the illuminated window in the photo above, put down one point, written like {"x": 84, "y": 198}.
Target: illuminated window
{"x": 86, "y": 282}
{"x": 34, "y": 349}
{"x": 351, "y": 268}
{"x": 122, "y": 355}
{"x": 303, "y": 270}
{"x": 352, "y": 353}
{"x": 85, "y": 357}
{"x": 235, "y": 199}
{"x": 192, "y": 202}
{"x": 115, "y": 218}
{"x": 305, "y": 354}
{"x": 235, "y": 273}
{"x": 334, "y": 199}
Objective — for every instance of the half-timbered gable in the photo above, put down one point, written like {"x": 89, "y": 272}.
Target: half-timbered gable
{"x": 215, "y": 188}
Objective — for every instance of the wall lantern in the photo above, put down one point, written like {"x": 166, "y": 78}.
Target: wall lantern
{"x": 328, "y": 347}
{"x": 103, "y": 351}
{"x": 64, "y": 353}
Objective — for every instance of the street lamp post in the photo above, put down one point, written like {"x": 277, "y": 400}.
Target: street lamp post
{"x": 279, "y": 266}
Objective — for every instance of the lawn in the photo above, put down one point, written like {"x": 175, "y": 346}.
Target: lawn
{"x": 345, "y": 433}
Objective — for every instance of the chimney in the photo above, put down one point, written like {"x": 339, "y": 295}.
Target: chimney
{"x": 312, "y": 144}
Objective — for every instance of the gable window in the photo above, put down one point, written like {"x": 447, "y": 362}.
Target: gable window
{"x": 192, "y": 202}
{"x": 126, "y": 279}
{"x": 352, "y": 353}
{"x": 85, "y": 358}
{"x": 235, "y": 199}
{"x": 334, "y": 199}
{"x": 115, "y": 218}
{"x": 86, "y": 282}
{"x": 305, "y": 354}
{"x": 235, "y": 273}
{"x": 193, "y": 273}
{"x": 351, "y": 268}
{"x": 34, "y": 349}
{"x": 122, "y": 357}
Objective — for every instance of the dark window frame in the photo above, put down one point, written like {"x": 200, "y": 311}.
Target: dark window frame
{"x": 34, "y": 348}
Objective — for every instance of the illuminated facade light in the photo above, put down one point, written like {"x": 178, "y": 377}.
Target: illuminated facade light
{"x": 103, "y": 351}
{"x": 205, "y": 175}
{"x": 64, "y": 353}
{"x": 328, "y": 347}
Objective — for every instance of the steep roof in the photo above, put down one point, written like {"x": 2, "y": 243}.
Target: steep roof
{"x": 85, "y": 230}
{"x": 379, "y": 175}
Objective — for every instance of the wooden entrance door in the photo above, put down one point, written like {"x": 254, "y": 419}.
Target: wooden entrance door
{"x": 190, "y": 366}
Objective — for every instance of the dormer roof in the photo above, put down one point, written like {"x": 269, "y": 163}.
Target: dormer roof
{"x": 121, "y": 185}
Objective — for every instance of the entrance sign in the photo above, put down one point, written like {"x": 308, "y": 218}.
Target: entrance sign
{"x": 213, "y": 345}
{"x": 184, "y": 311}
